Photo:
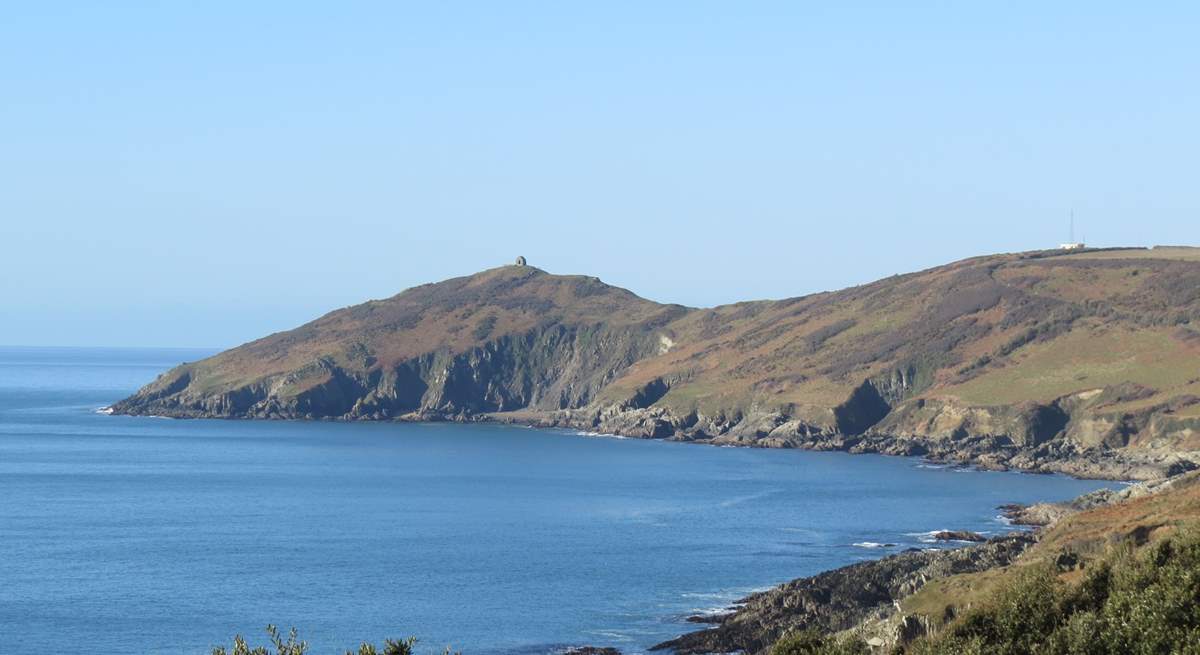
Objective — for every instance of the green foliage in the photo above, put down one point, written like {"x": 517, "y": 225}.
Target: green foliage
{"x": 1127, "y": 604}
{"x": 390, "y": 647}
{"x": 293, "y": 646}
{"x": 402, "y": 647}
{"x": 812, "y": 642}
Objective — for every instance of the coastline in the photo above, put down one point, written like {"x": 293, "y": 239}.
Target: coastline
{"x": 866, "y": 600}
{"x": 862, "y": 596}
{"x": 989, "y": 453}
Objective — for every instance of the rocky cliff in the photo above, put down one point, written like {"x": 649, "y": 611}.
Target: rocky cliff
{"x": 1087, "y": 362}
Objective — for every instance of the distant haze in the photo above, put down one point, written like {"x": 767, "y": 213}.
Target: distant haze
{"x": 203, "y": 175}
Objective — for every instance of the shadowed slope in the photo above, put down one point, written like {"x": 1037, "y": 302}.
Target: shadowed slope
{"x": 501, "y": 339}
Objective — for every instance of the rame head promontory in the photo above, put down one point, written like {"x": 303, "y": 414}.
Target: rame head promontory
{"x": 1083, "y": 361}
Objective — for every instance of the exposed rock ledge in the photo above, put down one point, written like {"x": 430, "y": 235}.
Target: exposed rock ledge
{"x": 1006, "y": 443}
{"x": 1071, "y": 435}
{"x": 777, "y": 430}
{"x": 1046, "y": 514}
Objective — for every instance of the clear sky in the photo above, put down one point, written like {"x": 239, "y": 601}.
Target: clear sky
{"x": 203, "y": 173}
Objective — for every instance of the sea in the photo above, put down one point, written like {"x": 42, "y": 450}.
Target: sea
{"x": 152, "y": 535}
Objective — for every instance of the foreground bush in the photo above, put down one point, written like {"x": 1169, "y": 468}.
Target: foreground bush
{"x": 1128, "y": 603}
{"x": 292, "y": 645}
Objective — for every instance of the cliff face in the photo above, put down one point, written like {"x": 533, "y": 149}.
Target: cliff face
{"x": 549, "y": 367}
{"x": 510, "y": 338}
{"x": 1087, "y": 362}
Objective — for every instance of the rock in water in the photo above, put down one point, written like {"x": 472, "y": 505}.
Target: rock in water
{"x": 958, "y": 535}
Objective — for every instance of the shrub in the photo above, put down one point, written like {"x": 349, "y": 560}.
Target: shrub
{"x": 290, "y": 646}
{"x": 812, "y": 642}
{"x": 1128, "y": 603}
{"x": 293, "y": 646}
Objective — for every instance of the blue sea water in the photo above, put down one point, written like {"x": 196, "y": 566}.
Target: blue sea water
{"x": 145, "y": 535}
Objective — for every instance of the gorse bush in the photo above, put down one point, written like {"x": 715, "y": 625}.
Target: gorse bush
{"x": 292, "y": 645}
{"x": 390, "y": 647}
{"x": 1128, "y": 603}
{"x": 812, "y": 642}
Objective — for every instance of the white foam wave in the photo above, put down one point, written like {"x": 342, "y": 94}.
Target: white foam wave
{"x": 713, "y": 611}
{"x": 617, "y": 635}
{"x": 871, "y": 544}
{"x": 582, "y": 433}
{"x": 925, "y": 537}
{"x": 728, "y": 598}
{"x": 714, "y": 595}
{"x": 104, "y": 410}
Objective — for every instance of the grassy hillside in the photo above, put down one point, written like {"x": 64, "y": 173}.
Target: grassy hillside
{"x": 960, "y": 330}
{"x": 1093, "y": 351}
{"x": 1116, "y": 579}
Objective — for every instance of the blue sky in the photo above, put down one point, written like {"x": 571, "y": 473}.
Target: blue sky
{"x": 200, "y": 174}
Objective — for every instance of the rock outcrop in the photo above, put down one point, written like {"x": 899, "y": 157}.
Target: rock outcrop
{"x": 958, "y": 535}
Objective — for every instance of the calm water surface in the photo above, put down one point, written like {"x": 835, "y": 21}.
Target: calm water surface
{"x": 144, "y": 535}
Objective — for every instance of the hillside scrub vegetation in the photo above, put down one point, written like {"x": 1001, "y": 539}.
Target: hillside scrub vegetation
{"x": 1129, "y": 602}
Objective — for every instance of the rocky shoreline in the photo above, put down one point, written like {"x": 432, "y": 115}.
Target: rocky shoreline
{"x": 776, "y": 430}
{"x": 843, "y": 598}
{"x": 865, "y": 599}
